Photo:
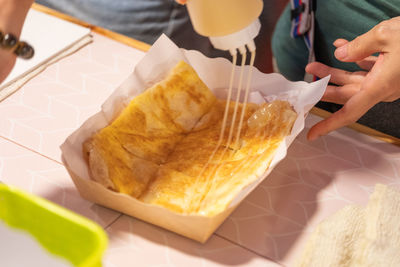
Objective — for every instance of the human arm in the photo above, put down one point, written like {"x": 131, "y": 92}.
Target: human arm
{"x": 359, "y": 91}
{"x": 12, "y": 17}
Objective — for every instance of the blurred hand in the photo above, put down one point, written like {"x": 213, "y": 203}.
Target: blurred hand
{"x": 361, "y": 90}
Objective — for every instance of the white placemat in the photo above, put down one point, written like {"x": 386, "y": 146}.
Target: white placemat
{"x": 50, "y": 37}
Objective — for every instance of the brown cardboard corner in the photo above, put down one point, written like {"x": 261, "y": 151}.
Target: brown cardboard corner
{"x": 195, "y": 227}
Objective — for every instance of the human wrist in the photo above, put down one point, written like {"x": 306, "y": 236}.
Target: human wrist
{"x": 7, "y": 61}
{"x": 12, "y": 15}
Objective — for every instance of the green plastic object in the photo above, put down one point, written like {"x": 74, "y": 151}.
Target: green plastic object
{"x": 60, "y": 231}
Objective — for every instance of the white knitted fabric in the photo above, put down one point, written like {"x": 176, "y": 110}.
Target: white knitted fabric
{"x": 358, "y": 237}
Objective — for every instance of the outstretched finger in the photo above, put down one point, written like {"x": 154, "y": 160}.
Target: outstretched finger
{"x": 338, "y": 76}
{"x": 371, "y": 42}
{"x": 358, "y": 105}
{"x": 340, "y": 94}
{"x": 365, "y": 64}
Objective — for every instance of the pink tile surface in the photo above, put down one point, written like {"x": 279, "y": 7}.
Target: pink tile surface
{"x": 49, "y": 107}
{"x": 136, "y": 243}
{"x": 39, "y": 117}
{"x": 312, "y": 182}
{"x": 41, "y": 176}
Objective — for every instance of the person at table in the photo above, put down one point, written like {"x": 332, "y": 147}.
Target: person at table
{"x": 146, "y": 20}
{"x": 365, "y": 72}
{"x": 291, "y": 54}
{"x": 358, "y": 91}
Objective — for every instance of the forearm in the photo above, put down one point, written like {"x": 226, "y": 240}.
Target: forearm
{"x": 12, "y": 17}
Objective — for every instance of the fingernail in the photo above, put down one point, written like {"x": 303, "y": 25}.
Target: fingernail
{"x": 341, "y": 52}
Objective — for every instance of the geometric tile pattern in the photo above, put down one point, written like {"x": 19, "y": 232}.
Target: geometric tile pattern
{"x": 271, "y": 225}
{"x": 131, "y": 242}
{"x": 136, "y": 243}
{"x": 41, "y": 176}
{"x": 49, "y": 107}
{"x": 312, "y": 182}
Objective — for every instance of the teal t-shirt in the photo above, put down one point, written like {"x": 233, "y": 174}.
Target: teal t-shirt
{"x": 337, "y": 19}
{"x": 334, "y": 19}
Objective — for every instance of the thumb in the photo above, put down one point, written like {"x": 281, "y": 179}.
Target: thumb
{"x": 364, "y": 45}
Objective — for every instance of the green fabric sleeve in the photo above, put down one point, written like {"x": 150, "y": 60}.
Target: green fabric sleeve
{"x": 334, "y": 19}
{"x": 291, "y": 54}
{"x": 337, "y": 19}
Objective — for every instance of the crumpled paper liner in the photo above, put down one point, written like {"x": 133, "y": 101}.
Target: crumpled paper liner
{"x": 215, "y": 73}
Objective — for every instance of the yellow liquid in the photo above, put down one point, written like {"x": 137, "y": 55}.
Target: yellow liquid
{"x": 222, "y": 17}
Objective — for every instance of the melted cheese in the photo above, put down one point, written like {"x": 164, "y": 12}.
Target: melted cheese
{"x": 158, "y": 150}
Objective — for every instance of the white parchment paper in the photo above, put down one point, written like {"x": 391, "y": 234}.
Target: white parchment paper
{"x": 215, "y": 73}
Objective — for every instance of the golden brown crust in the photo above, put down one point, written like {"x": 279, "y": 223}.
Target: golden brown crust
{"x": 162, "y": 149}
{"x": 97, "y": 166}
{"x": 115, "y": 167}
{"x": 189, "y": 182}
{"x": 125, "y": 155}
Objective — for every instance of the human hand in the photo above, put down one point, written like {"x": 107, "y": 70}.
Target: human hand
{"x": 359, "y": 91}
{"x": 12, "y": 16}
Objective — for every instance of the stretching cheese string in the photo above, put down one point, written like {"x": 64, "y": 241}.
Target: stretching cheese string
{"x": 239, "y": 90}
{"x": 224, "y": 120}
{"x": 246, "y": 97}
{"x": 250, "y": 159}
{"x": 215, "y": 169}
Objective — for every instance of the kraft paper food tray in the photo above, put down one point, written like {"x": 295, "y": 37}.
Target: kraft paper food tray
{"x": 215, "y": 73}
